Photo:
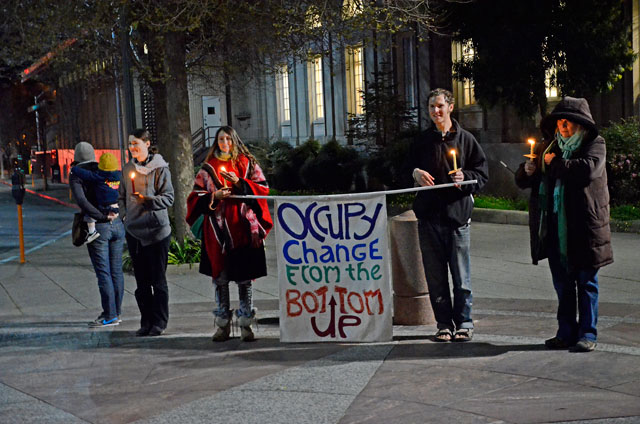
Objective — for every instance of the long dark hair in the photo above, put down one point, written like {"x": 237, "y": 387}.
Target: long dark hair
{"x": 238, "y": 148}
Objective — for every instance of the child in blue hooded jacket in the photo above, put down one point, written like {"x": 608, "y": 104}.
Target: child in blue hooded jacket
{"x": 106, "y": 183}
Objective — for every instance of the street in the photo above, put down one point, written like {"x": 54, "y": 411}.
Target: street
{"x": 43, "y": 222}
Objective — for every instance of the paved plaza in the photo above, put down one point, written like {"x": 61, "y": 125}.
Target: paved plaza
{"x": 53, "y": 369}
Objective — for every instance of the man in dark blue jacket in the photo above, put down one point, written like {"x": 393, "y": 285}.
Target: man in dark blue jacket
{"x": 444, "y": 214}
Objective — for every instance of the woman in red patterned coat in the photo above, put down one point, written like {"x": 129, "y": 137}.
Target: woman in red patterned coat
{"x": 233, "y": 229}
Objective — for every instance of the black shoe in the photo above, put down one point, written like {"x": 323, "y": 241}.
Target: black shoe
{"x": 584, "y": 345}
{"x": 155, "y": 331}
{"x": 556, "y": 343}
{"x": 142, "y": 331}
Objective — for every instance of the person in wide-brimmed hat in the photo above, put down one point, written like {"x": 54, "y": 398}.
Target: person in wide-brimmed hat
{"x": 569, "y": 217}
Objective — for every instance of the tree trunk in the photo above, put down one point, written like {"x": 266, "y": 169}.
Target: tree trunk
{"x": 180, "y": 156}
{"x": 157, "y": 83}
{"x": 542, "y": 102}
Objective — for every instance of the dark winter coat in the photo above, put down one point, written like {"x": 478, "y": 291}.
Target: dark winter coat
{"x": 105, "y": 184}
{"x": 430, "y": 152}
{"x": 84, "y": 193}
{"x": 586, "y": 194}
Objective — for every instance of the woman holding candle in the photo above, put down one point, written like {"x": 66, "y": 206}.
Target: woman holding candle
{"x": 569, "y": 217}
{"x": 233, "y": 229}
{"x": 144, "y": 199}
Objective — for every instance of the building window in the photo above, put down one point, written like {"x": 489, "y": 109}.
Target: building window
{"x": 408, "y": 52}
{"x": 355, "y": 80}
{"x": 465, "y": 88}
{"x": 315, "y": 88}
{"x": 550, "y": 83}
{"x": 282, "y": 88}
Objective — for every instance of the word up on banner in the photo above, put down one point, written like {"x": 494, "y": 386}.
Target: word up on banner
{"x": 333, "y": 270}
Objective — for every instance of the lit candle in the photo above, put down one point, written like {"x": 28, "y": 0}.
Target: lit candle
{"x": 455, "y": 163}
{"x": 133, "y": 184}
{"x": 532, "y": 142}
{"x": 223, "y": 169}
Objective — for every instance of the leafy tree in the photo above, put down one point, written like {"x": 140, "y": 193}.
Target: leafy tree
{"x": 182, "y": 37}
{"x": 518, "y": 43}
{"x": 385, "y": 113}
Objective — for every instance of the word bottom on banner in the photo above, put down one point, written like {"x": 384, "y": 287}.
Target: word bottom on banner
{"x": 333, "y": 269}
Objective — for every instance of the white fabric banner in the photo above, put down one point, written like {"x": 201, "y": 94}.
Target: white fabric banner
{"x": 333, "y": 269}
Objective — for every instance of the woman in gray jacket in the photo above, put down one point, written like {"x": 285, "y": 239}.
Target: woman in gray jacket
{"x": 145, "y": 194}
{"x": 569, "y": 217}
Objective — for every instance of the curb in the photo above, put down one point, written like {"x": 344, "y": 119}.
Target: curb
{"x": 499, "y": 216}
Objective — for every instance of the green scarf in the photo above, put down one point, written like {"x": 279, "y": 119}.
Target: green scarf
{"x": 567, "y": 145}
{"x": 542, "y": 195}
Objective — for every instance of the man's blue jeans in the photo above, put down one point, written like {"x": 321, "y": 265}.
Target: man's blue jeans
{"x": 446, "y": 248}
{"x": 106, "y": 257}
{"x": 566, "y": 283}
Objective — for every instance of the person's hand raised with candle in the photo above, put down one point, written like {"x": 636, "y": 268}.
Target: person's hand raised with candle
{"x": 230, "y": 176}
{"x": 457, "y": 177}
{"x": 530, "y": 167}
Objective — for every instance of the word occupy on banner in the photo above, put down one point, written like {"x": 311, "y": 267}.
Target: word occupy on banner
{"x": 333, "y": 270}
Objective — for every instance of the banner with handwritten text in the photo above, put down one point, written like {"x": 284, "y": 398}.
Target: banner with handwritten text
{"x": 333, "y": 269}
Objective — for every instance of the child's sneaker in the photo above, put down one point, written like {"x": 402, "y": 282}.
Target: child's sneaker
{"x": 101, "y": 322}
{"x": 91, "y": 237}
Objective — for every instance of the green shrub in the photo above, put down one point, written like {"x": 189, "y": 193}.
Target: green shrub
{"x": 333, "y": 169}
{"x": 386, "y": 166}
{"x": 491, "y": 202}
{"x": 401, "y": 200}
{"x": 286, "y": 162}
{"x": 260, "y": 150}
{"x": 625, "y": 212}
{"x": 186, "y": 253}
{"x": 623, "y": 160}
{"x": 127, "y": 262}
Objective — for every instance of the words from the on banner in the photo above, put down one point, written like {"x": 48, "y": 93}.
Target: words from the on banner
{"x": 327, "y": 247}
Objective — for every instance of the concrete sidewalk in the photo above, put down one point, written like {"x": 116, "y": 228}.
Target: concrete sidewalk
{"x": 54, "y": 369}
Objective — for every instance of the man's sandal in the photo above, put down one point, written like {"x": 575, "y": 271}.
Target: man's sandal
{"x": 463, "y": 335}
{"x": 443, "y": 335}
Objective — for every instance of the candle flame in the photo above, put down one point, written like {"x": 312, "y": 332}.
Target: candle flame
{"x": 531, "y": 141}
{"x": 222, "y": 168}
{"x": 453, "y": 152}
{"x": 133, "y": 175}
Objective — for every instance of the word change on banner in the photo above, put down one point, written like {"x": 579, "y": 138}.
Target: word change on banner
{"x": 333, "y": 269}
